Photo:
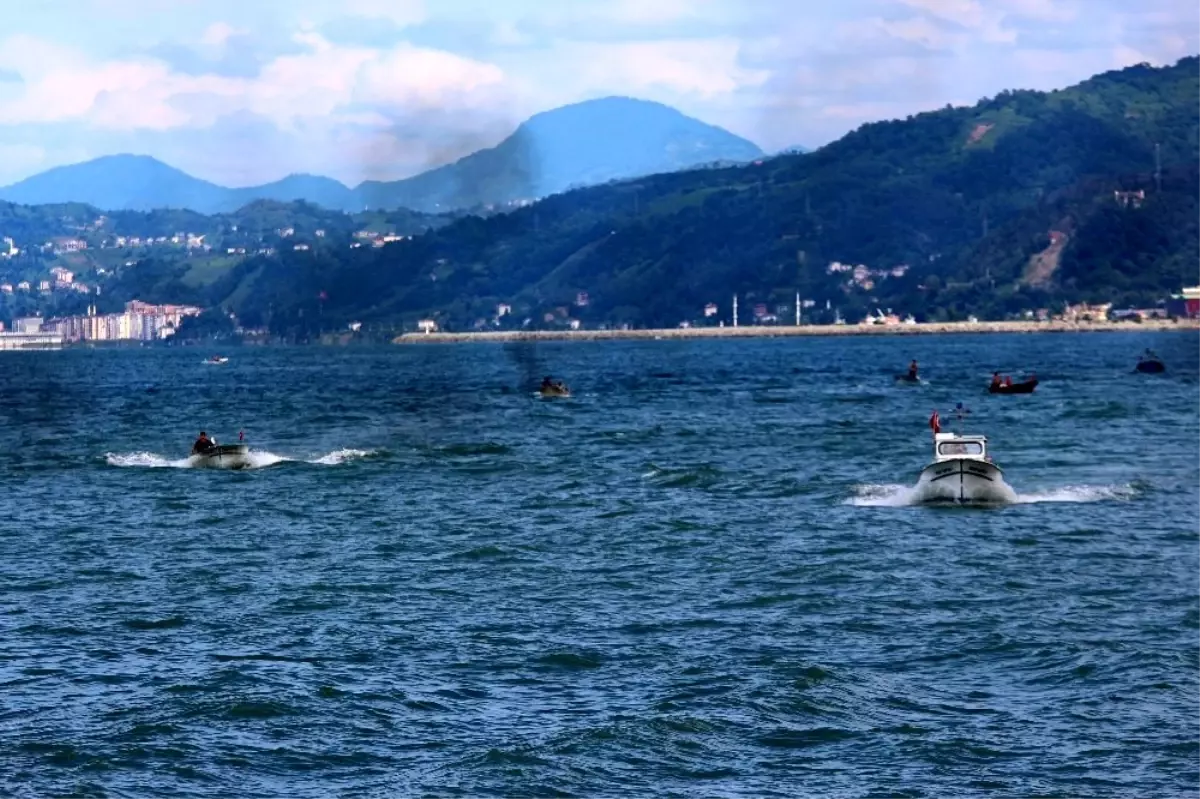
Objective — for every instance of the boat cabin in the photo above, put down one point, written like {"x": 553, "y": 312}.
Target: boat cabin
{"x": 952, "y": 446}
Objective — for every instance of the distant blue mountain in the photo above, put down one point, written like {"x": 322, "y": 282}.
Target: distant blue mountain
{"x": 322, "y": 191}
{"x": 583, "y": 144}
{"x": 576, "y": 145}
{"x": 119, "y": 182}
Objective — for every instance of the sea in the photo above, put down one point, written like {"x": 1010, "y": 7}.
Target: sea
{"x": 702, "y": 574}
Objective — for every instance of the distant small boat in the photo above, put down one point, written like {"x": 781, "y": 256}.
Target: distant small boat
{"x": 908, "y": 378}
{"x": 554, "y": 389}
{"x": 216, "y": 359}
{"x": 1150, "y": 364}
{"x": 1024, "y": 387}
{"x": 223, "y": 456}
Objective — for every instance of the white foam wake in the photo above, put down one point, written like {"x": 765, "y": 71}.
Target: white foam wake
{"x": 1080, "y": 493}
{"x": 147, "y": 460}
{"x": 259, "y": 459}
{"x": 882, "y": 496}
{"x": 342, "y": 456}
{"x": 897, "y": 496}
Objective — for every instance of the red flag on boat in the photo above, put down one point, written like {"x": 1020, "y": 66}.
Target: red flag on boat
{"x": 935, "y": 423}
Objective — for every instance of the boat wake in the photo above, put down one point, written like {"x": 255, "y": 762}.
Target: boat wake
{"x": 259, "y": 459}
{"x": 897, "y": 496}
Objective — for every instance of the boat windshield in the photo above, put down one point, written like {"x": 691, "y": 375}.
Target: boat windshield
{"x": 960, "y": 448}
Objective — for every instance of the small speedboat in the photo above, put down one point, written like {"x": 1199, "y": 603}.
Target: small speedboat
{"x": 223, "y": 456}
{"x": 1024, "y": 387}
{"x": 216, "y": 359}
{"x": 962, "y": 473}
{"x": 554, "y": 388}
{"x": 908, "y": 378}
{"x": 1150, "y": 364}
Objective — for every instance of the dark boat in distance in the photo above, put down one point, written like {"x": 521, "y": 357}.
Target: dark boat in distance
{"x": 1024, "y": 387}
{"x": 554, "y": 388}
{"x": 1149, "y": 363}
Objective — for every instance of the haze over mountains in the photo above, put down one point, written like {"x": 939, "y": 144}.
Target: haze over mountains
{"x": 582, "y": 144}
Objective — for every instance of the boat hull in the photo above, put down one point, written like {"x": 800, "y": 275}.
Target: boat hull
{"x": 963, "y": 481}
{"x": 224, "y": 456}
{"x": 1151, "y": 367}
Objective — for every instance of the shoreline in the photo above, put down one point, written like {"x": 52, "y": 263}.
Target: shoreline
{"x": 781, "y": 331}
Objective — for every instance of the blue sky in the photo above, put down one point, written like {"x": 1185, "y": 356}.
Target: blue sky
{"x": 245, "y": 91}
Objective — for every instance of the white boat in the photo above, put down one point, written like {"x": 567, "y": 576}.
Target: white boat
{"x": 223, "y": 456}
{"x": 216, "y": 359}
{"x": 962, "y": 472}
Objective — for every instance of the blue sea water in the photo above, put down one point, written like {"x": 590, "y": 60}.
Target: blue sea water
{"x": 701, "y": 575}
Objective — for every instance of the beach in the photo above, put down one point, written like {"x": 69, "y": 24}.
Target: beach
{"x": 935, "y": 328}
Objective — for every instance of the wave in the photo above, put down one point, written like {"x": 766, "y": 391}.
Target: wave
{"x": 1081, "y": 493}
{"x": 259, "y": 459}
{"x": 897, "y": 496}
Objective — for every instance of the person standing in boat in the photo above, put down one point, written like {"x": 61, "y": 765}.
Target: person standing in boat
{"x": 996, "y": 382}
{"x": 912, "y": 370}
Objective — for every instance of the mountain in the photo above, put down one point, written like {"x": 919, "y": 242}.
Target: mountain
{"x": 577, "y": 145}
{"x": 1023, "y": 201}
{"x": 1026, "y": 200}
{"x": 322, "y": 191}
{"x": 117, "y": 182}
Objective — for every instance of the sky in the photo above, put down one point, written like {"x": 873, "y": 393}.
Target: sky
{"x": 241, "y": 92}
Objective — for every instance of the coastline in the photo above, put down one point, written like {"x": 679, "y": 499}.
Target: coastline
{"x": 764, "y": 331}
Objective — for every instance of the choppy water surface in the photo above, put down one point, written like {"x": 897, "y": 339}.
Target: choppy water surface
{"x": 700, "y": 575}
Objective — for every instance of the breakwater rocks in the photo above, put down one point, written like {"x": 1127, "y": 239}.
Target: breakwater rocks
{"x": 939, "y": 328}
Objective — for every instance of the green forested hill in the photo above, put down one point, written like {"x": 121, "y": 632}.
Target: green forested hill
{"x": 995, "y": 209}
{"x": 964, "y": 197}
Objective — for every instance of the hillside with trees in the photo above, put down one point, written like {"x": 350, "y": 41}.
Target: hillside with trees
{"x": 1023, "y": 201}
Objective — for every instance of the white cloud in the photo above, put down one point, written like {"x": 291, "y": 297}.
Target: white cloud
{"x": 322, "y": 81}
{"x": 991, "y": 21}
{"x": 967, "y": 13}
{"x": 403, "y": 13}
{"x": 653, "y": 11}
{"x": 506, "y": 33}
{"x": 1043, "y": 10}
{"x": 413, "y": 75}
{"x": 218, "y": 34}
{"x": 698, "y": 67}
